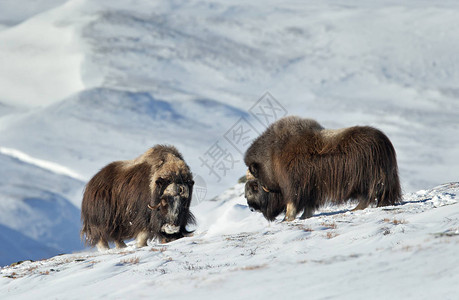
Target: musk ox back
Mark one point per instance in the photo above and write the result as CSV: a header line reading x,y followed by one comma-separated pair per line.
x,y
147,197
299,166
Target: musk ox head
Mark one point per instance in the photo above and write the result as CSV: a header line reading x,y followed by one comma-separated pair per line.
x,y
171,203
261,157
270,204
172,188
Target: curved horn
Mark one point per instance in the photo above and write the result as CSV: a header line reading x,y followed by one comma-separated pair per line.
x,y
153,207
249,175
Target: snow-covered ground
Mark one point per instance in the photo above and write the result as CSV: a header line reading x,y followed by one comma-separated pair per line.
x,y
407,251
87,82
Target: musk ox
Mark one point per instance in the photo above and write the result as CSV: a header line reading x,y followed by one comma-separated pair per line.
x,y
297,165
147,197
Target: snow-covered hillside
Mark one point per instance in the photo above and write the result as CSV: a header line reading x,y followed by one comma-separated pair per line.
x,y
407,251
38,218
87,82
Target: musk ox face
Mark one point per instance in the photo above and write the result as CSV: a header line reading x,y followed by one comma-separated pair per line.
x,y
262,172
173,202
252,194
268,203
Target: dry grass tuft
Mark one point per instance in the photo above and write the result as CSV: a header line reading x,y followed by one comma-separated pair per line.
x,y
130,261
331,235
329,225
306,228
394,221
162,249
253,267
12,275
407,248
20,262
305,261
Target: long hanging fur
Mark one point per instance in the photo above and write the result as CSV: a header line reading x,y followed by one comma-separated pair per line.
x,y
309,166
118,200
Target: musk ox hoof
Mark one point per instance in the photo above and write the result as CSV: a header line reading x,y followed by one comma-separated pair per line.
x,y
170,229
288,219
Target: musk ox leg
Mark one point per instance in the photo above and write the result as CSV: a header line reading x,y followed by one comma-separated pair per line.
x,y
391,195
360,206
102,245
120,244
141,239
307,213
363,203
290,212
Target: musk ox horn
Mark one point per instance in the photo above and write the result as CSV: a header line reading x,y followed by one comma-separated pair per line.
x,y
249,175
264,189
154,207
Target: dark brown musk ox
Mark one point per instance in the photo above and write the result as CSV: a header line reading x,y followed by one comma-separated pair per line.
x,y
297,165
144,198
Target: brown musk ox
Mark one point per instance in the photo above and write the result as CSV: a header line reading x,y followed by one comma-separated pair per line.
x,y
297,165
147,197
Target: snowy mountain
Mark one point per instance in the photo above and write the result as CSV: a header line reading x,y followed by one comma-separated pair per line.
x,y
84,83
38,219
381,64
407,251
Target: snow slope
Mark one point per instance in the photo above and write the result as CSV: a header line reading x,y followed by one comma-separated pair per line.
x,y
40,216
16,247
41,57
407,251
53,167
13,12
